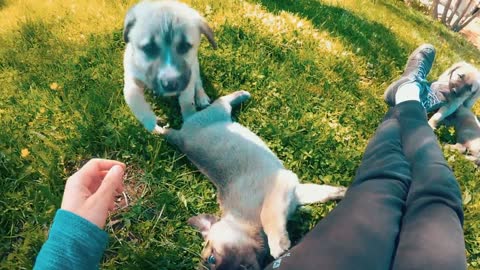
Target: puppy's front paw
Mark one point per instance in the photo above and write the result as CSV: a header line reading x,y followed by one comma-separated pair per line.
x,y
202,101
160,130
277,249
244,94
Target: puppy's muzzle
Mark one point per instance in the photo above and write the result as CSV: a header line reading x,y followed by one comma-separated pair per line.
x,y
170,81
170,84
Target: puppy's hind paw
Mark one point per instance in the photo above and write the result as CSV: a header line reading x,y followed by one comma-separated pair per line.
x,y
276,250
339,193
239,97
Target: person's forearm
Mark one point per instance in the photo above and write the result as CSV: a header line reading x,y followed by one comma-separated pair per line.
x,y
73,243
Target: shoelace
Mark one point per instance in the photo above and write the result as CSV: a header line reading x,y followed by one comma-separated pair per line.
x,y
428,97
422,70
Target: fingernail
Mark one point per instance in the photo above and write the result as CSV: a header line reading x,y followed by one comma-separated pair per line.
x,y
117,169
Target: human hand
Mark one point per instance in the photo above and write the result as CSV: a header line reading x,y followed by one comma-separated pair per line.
x,y
90,192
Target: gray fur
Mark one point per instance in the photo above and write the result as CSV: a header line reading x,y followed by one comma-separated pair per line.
x,y
255,191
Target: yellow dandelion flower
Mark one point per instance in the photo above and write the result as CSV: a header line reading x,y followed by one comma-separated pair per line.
x,y
54,86
25,153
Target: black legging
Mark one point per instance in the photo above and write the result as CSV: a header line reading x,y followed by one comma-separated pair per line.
x,y
402,211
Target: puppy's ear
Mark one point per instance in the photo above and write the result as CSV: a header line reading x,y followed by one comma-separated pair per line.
x,y
202,223
208,32
452,69
128,24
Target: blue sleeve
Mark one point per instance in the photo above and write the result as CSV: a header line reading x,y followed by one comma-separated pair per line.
x,y
73,243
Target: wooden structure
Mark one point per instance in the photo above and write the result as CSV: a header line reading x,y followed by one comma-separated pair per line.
x,y
456,14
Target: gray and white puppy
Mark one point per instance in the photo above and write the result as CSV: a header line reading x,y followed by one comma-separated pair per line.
x,y
458,86
255,192
467,132
162,40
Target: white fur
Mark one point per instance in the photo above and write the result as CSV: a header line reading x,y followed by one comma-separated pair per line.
x,y
458,75
145,20
255,191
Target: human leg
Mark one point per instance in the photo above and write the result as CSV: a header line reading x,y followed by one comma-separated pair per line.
x,y
361,232
431,236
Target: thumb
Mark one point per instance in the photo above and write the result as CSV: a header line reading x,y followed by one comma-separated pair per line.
x,y
112,182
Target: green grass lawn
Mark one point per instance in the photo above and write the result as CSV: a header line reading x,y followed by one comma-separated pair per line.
x,y
316,71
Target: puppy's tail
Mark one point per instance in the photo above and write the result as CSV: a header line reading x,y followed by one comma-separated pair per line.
x,y
312,193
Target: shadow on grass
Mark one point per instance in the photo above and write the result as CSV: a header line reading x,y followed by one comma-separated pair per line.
x,y
91,78
367,38
90,102
83,117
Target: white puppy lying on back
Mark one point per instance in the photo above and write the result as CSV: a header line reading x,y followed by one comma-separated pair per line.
x,y
255,192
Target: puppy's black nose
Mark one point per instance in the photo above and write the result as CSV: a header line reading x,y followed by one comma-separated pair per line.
x,y
169,85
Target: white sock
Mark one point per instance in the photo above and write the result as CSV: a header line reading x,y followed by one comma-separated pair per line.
x,y
408,91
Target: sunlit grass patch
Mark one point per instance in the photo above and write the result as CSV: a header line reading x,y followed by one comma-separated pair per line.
x,y
316,71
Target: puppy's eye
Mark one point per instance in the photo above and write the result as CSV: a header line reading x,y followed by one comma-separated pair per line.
x,y
211,259
183,47
150,49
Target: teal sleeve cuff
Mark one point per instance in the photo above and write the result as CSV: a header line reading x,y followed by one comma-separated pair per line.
x,y
73,243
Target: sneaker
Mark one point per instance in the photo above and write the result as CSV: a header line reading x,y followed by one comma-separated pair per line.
x,y
418,66
432,98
